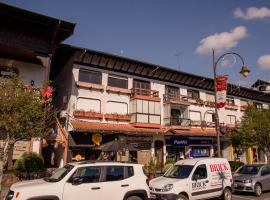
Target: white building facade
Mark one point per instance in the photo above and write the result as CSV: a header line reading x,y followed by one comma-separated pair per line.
x,y
150,110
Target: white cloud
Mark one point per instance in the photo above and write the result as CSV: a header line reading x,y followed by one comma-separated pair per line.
x,y
264,62
222,41
252,13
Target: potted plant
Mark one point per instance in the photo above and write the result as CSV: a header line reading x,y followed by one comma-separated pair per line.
x,y
152,168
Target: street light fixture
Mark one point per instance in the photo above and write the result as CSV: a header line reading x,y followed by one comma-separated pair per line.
x,y
244,71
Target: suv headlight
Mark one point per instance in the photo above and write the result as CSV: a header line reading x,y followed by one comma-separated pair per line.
x,y
247,181
10,195
167,188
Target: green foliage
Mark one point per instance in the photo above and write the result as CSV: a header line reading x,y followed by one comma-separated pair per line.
x,y
254,130
166,167
170,160
30,162
153,166
235,165
21,109
18,166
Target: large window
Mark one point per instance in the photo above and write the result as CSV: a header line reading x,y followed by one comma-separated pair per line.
x,y
117,107
195,115
88,174
200,173
90,76
87,104
193,94
114,173
118,81
172,91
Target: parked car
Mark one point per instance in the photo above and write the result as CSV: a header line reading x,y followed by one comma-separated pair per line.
x,y
192,179
87,180
252,178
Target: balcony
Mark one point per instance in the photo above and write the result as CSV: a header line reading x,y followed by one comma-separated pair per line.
x,y
145,94
176,99
178,122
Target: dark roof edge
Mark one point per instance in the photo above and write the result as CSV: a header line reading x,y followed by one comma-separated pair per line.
x,y
22,10
167,69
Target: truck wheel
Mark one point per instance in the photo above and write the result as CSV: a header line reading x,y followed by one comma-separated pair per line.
x,y
181,197
134,198
258,190
227,194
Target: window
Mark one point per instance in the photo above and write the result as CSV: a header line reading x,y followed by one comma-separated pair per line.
x,y
90,76
193,94
118,81
265,171
210,117
179,171
230,101
93,105
200,173
231,119
258,105
142,87
172,91
88,174
114,173
117,107
130,171
195,115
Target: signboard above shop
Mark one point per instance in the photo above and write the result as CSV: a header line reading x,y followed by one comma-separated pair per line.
x,y
185,141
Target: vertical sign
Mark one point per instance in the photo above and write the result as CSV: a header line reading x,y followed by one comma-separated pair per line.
x,y
221,84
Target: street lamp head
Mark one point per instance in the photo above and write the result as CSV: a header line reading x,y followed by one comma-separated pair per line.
x,y
244,71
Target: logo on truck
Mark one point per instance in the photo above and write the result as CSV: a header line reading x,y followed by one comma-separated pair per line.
x,y
219,167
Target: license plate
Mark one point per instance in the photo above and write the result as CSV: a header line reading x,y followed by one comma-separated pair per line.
x,y
153,196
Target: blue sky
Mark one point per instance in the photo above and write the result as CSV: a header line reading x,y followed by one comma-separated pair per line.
x,y
157,31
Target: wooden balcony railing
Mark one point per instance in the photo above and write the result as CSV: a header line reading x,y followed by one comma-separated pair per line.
x,y
175,98
175,121
144,92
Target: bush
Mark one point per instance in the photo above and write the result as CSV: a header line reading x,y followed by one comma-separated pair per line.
x,y
18,166
170,160
32,162
235,165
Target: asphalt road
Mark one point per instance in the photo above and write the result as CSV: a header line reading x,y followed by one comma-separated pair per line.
x,y
248,196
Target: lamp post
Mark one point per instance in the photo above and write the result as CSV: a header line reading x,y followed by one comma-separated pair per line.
x,y
244,71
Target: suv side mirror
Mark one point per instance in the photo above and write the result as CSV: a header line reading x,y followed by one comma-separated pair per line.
x,y
195,177
77,180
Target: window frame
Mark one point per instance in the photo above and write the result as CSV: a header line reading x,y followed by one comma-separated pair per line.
x,y
196,170
119,78
192,92
91,71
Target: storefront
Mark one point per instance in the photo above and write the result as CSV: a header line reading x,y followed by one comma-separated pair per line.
x,y
179,147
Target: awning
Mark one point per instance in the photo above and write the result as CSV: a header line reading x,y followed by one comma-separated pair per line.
x,y
195,132
83,126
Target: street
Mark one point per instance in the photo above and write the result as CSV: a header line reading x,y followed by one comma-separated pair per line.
x,y
249,196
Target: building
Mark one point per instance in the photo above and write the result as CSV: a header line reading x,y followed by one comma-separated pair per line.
x,y
261,85
27,43
136,110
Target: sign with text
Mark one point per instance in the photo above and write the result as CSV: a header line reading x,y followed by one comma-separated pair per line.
x,y
221,86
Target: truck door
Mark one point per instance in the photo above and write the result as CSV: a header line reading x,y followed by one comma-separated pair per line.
x,y
199,184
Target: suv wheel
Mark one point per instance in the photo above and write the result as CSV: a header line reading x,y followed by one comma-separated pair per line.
x,y
134,198
227,194
258,190
181,197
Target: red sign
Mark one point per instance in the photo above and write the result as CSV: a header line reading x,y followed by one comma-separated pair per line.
x,y
221,84
218,167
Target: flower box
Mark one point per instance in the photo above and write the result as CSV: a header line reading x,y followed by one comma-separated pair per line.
x,y
117,117
88,114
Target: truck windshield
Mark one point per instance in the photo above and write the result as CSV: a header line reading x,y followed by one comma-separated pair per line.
x,y
179,171
59,174
248,169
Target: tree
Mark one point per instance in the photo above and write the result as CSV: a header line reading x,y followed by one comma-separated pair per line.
x,y
254,130
22,115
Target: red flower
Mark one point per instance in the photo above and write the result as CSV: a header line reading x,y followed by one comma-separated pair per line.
x,y
47,92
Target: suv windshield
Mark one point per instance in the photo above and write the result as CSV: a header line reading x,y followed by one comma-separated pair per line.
x,y
59,174
248,169
179,171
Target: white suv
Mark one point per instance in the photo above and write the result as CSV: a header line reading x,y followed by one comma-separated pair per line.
x,y
86,180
